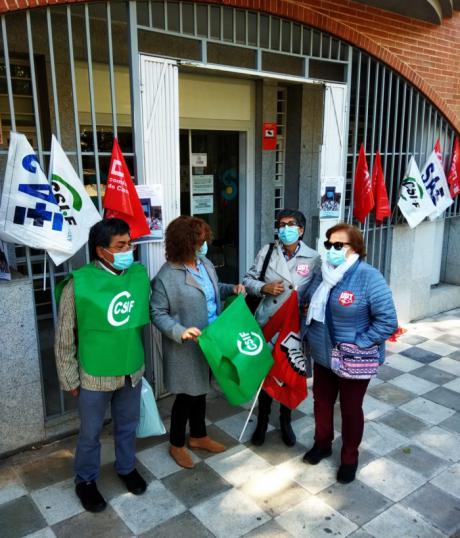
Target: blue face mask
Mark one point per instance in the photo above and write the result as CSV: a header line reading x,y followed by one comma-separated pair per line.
x,y
336,257
122,260
288,234
202,251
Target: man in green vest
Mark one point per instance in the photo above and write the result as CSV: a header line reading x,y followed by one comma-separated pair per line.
x,y
105,303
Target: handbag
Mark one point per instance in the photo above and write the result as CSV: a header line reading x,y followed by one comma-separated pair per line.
x,y
150,422
253,301
349,360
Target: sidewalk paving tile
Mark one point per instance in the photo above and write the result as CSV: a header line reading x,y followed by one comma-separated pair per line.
x,y
421,355
356,501
313,478
390,394
412,383
390,478
43,533
444,396
440,442
315,518
271,529
144,512
453,385
185,525
58,501
381,439
452,423
399,521
435,375
427,410
50,470
448,364
159,462
419,460
20,517
230,514
402,363
437,507
403,422
449,481
437,346
274,451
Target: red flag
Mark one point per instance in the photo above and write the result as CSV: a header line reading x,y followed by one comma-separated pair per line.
x,y
286,381
454,173
437,150
363,197
121,200
382,205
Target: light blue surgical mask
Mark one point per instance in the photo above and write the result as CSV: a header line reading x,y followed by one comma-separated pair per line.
x,y
122,260
288,234
202,251
336,257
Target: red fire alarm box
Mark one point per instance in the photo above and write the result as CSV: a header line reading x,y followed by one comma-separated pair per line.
x,y
269,130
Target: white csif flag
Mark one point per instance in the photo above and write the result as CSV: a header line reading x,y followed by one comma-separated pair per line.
x,y
79,211
435,182
29,213
414,202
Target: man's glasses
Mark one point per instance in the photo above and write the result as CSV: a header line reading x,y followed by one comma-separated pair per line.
x,y
123,248
338,245
290,223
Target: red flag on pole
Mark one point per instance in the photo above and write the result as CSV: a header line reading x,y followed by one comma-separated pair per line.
x,y
121,200
454,173
437,150
286,381
363,197
382,205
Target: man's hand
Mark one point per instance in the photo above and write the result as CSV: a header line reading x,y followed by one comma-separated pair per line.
x,y
239,288
274,288
75,392
192,333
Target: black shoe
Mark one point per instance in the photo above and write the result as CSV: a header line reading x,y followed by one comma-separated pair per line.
x,y
90,497
134,482
316,454
346,473
258,437
287,433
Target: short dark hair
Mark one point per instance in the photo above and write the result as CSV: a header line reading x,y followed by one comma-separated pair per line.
x,y
182,236
102,232
355,237
295,214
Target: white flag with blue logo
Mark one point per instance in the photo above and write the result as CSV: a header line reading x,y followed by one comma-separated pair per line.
x,y
435,182
77,207
29,213
414,202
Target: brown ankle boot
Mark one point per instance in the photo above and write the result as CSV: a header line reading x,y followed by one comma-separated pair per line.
x,y
181,456
206,443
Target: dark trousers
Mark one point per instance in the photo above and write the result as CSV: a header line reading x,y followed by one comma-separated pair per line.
x,y
187,408
326,387
265,405
92,406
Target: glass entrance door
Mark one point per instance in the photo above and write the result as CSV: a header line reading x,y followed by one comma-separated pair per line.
x,y
210,186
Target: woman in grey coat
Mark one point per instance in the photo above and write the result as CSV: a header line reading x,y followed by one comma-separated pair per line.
x,y
290,266
186,297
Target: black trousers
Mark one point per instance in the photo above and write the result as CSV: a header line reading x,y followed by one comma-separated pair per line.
x,y
187,408
265,405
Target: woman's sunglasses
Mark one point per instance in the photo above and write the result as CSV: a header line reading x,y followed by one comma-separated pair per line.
x,y
338,245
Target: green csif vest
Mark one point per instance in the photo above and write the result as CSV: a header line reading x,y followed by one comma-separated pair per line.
x,y
111,311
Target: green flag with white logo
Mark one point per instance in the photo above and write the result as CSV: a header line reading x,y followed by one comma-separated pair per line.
x,y
237,352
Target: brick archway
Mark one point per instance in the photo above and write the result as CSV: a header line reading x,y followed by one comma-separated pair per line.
x,y
326,16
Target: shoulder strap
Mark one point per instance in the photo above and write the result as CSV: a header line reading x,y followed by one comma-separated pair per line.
x,y
266,261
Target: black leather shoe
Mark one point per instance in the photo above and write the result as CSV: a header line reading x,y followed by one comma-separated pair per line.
x,y
346,473
258,437
316,454
287,433
134,482
90,497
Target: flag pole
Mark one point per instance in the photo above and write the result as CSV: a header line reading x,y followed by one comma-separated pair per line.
x,y
250,411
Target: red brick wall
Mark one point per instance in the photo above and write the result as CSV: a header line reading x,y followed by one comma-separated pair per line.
x,y
426,54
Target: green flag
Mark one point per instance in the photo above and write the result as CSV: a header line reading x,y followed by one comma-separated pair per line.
x,y
236,351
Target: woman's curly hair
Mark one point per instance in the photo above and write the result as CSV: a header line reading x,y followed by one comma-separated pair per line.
x,y
183,235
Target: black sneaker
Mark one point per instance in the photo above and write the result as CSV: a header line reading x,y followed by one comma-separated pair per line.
x,y
346,473
134,482
90,497
316,454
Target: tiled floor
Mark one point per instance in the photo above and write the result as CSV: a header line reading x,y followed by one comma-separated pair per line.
x,y
407,486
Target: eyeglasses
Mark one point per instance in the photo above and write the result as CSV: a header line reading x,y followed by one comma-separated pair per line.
x,y
290,223
338,245
123,248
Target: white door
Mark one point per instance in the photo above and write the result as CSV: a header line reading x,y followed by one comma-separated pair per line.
x,y
160,138
333,149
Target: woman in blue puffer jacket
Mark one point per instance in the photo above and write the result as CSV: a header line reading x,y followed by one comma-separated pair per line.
x,y
353,296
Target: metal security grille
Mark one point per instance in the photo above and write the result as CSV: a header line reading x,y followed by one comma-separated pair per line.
x,y
73,70
280,153
389,114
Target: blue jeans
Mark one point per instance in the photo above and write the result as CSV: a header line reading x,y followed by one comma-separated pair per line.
x,y
92,406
